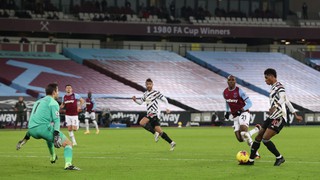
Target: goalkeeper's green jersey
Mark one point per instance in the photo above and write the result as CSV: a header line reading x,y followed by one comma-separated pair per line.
x,y
45,111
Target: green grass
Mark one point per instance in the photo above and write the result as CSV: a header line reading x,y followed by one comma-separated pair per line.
x,y
201,153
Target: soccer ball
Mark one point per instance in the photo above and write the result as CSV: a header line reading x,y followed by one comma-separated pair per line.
x,y
242,156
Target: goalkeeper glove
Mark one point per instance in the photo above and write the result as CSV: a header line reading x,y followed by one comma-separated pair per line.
x,y
227,115
56,139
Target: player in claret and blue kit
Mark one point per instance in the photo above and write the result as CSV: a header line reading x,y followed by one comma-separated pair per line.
x,y
72,102
239,103
90,114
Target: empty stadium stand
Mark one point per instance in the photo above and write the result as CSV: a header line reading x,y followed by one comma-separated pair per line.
x,y
176,77
238,21
30,72
301,81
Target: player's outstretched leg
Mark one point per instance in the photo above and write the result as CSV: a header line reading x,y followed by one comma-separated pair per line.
x,y
166,138
272,148
148,127
67,153
87,126
255,130
96,125
23,141
52,152
156,136
247,138
71,134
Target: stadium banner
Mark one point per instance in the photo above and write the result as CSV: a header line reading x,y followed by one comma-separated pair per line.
x,y
170,119
146,29
255,118
8,118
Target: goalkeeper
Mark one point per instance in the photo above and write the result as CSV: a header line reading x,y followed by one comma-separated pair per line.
x,y
45,124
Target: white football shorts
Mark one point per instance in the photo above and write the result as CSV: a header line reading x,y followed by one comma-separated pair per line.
x,y
91,115
243,119
72,120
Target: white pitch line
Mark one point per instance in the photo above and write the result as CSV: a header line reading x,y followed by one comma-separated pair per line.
x,y
160,159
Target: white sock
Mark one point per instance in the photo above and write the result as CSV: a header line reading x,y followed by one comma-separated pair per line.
x,y
87,124
73,139
253,131
246,137
95,123
257,153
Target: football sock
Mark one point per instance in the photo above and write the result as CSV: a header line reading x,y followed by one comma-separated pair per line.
x,y
246,137
51,149
272,148
249,141
71,134
254,148
87,124
27,136
149,128
165,137
68,155
95,123
253,131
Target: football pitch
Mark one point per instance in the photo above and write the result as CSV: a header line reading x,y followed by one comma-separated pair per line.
x,y
131,153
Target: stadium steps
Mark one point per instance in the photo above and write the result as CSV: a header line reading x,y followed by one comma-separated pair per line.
x,y
30,72
176,77
299,79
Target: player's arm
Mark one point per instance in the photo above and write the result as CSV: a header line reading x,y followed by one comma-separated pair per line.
x,y
62,103
246,100
138,101
94,104
55,115
165,100
227,113
54,108
16,107
81,102
24,107
292,110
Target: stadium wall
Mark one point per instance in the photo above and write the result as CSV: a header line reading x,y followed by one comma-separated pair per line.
x,y
49,44
177,47
213,118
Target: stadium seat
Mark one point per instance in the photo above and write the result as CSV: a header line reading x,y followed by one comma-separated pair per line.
x,y
173,75
300,80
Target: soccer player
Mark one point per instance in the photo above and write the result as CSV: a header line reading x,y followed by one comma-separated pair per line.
x,y
45,112
239,103
70,102
151,121
90,113
276,120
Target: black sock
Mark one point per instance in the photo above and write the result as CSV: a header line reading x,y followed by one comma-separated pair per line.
x,y
254,148
272,148
27,136
165,137
149,128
